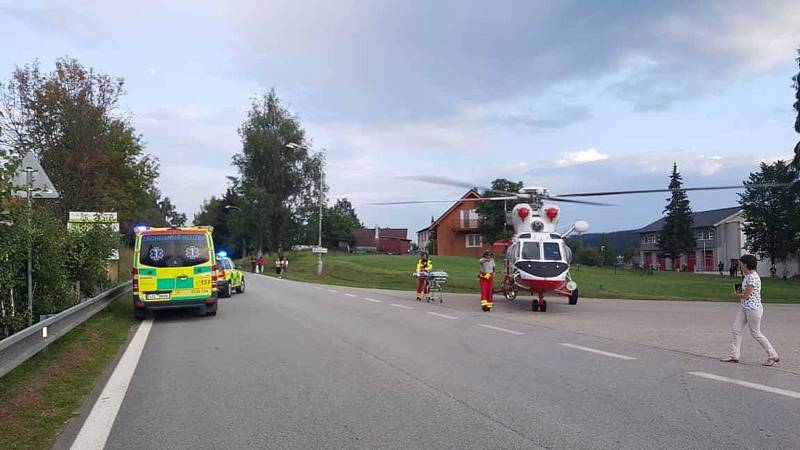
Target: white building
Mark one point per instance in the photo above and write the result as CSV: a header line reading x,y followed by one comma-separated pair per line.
x,y
720,238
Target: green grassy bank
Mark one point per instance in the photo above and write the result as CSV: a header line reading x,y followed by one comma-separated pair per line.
x,y
41,395
394,272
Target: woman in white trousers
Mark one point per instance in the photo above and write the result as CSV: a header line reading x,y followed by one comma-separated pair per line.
x,y
750,313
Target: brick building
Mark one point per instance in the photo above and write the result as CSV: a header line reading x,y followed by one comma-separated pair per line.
x,y
384,240
455,233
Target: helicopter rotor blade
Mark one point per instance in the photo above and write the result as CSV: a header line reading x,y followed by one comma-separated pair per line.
x,y
650,191
416,202
454,183
583,202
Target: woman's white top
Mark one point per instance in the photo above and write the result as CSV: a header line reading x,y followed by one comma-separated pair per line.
x,y
753,302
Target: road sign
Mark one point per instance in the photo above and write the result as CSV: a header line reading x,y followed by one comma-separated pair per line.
x,y
319,250
41,187
81,220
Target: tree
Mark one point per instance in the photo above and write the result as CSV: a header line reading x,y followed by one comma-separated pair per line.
x,y
771,212
607,252
338,223
286,183
629,253
493,214
71,120
676,238
171,214
796,85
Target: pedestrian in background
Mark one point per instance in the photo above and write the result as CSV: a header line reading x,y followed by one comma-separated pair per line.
x,y
732,269
750,313
284,266
260,262
721,267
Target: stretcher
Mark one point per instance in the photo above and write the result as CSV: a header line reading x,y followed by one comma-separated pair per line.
x,y
434,284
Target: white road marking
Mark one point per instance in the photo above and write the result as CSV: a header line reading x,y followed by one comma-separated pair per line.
x,y
95,430
442,315
401,306
760,387
350,295
332,291
373,300
500,329
599,352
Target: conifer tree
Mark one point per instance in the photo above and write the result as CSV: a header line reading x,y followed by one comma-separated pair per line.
x,y
676,237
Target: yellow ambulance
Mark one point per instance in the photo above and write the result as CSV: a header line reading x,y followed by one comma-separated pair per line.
x,y
174,268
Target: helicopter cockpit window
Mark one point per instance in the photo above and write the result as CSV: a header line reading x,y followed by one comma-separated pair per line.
x,y
530,250
552,251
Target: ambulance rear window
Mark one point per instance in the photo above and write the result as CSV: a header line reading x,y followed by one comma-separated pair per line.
x,y
174,250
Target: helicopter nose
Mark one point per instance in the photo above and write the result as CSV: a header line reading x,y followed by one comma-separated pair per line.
x,y
543,269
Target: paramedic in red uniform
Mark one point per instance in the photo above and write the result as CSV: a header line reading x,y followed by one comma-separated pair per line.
x,y
486,277
423,265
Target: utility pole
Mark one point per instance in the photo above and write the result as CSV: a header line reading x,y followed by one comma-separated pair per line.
x,y
29,187
319,244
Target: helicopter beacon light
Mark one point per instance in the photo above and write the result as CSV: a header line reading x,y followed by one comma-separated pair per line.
x,y
523,213
552,212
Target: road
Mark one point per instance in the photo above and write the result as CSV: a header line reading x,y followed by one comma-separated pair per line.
x,y
294,365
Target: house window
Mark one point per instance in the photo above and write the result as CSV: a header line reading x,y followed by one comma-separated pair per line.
x,y
474,240
711,233
469,218
700,234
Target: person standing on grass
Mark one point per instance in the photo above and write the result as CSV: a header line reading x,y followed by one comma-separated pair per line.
x,y
721,267
260,262
750,313
732,269
284,266
486,280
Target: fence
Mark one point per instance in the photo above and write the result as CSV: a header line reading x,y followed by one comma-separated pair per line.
x,y
17,348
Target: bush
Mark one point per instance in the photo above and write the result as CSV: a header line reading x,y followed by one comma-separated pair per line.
x,y
60,259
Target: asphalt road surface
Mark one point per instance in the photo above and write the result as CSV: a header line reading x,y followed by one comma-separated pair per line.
x,y
293,365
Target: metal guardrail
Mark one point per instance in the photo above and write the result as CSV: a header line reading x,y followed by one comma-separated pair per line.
x,y
17,348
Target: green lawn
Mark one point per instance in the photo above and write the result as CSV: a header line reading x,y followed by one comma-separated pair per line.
x,y
41,395
394,272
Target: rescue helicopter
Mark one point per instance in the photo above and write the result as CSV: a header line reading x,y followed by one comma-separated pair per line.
x,y
537,258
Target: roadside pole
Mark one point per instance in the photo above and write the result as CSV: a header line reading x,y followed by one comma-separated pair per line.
x,y
319,243
29,179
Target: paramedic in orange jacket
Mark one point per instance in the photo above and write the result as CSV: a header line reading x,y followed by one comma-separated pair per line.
x,y
423,265
486,277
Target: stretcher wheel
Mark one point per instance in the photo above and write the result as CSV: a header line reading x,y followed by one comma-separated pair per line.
x,y
510,294
534,305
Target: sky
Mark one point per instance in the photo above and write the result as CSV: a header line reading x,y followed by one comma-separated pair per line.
x,y
575,96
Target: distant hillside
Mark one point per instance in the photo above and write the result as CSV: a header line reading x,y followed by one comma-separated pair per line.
x,y
618,240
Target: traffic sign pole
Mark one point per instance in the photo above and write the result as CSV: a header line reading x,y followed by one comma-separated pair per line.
x,y
29,179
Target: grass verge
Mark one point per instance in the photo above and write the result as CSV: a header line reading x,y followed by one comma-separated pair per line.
x,y
394,272
41,395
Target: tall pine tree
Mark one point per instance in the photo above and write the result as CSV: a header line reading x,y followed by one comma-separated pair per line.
x,y
676,237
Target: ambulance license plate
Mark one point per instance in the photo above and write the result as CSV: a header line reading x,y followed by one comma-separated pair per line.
x,y
158,296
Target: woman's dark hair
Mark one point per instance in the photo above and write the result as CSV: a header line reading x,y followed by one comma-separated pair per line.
x,y
749,261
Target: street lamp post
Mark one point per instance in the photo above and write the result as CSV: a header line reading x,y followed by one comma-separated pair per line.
x,y
293,145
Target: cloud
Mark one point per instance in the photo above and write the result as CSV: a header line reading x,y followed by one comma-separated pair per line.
x,y
558,117
581,157
398,60
60,18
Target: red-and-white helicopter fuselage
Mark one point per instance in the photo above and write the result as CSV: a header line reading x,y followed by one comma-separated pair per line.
x,y
537,259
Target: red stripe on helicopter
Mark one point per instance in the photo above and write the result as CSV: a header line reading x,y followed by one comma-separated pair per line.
x,y
541,285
